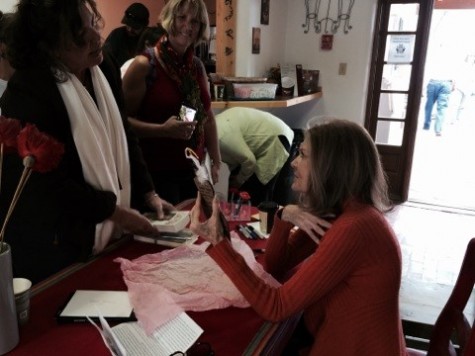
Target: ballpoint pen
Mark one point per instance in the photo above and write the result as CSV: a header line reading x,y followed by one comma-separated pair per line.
x,y
253,234
245,232
256,232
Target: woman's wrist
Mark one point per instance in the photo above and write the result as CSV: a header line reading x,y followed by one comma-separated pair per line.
x,y
215,162
151,196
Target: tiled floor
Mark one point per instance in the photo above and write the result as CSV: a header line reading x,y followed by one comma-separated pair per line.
x,y
433,244
443,170
434,235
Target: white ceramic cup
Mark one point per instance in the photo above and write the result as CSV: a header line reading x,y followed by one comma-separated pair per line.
x,y
21,289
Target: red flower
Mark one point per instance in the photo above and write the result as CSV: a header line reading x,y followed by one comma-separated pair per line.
x,y
9,129
45,150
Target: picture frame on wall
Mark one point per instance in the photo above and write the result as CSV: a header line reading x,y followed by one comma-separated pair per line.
x,y
327,42
265,12
256,40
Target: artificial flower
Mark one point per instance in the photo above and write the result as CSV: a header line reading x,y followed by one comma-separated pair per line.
x,y
40,153
44,149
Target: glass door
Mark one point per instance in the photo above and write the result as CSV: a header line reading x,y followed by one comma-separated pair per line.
x,y
396,77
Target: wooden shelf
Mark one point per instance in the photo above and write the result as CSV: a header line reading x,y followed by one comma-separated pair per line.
x,y
276,103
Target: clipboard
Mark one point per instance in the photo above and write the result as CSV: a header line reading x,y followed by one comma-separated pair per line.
x,y
114,306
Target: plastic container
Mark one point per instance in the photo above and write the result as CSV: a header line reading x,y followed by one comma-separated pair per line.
x,y
254,91
242,207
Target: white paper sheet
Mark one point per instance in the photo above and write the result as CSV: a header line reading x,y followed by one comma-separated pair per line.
x,y
90,302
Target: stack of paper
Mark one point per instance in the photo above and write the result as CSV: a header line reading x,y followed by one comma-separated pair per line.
x,y
174,223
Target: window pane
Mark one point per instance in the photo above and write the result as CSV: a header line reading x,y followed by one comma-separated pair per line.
x,y
389,133
392,106
396,77
403,17
399,48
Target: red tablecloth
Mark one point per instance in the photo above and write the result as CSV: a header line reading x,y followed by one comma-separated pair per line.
x,y
230,331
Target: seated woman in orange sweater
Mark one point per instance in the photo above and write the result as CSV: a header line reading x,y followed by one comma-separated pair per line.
x,y
348,283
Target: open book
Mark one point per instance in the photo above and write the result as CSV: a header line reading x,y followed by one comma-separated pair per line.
x,y
178,334
204,184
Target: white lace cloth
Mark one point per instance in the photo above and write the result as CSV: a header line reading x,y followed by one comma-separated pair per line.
x,y
162,285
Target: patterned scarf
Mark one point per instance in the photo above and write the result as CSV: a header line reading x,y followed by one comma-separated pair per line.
x,y
184,71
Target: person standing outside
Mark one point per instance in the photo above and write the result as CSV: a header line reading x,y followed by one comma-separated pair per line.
x,y
122,41
438,92
439,76
157,84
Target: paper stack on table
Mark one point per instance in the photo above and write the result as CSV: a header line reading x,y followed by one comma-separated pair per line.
x,y
174,223
173,231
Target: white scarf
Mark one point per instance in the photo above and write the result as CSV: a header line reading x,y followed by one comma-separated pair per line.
x,y
101,143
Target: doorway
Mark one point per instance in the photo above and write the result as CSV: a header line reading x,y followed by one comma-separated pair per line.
x,y
443,173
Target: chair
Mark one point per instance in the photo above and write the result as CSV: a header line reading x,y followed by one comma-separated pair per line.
x,y
452,318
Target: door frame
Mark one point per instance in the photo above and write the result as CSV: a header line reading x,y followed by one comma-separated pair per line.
x,y
397,160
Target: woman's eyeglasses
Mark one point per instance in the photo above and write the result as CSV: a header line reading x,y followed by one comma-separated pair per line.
x,y
198,349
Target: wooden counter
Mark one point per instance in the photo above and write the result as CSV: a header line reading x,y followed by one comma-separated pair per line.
x,y
278,102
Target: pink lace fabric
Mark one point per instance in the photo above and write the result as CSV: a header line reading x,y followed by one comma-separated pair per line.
x,y
162,285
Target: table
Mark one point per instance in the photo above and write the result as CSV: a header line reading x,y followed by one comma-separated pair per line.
x,y
230,331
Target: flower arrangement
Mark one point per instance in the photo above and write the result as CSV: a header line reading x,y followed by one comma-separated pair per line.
x,y
39,152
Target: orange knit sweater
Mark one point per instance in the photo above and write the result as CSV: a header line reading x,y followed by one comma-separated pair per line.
x,y
348,287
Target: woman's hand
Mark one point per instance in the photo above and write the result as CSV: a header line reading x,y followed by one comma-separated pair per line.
x,y
162,207
314,226
209,229
178,129
132,221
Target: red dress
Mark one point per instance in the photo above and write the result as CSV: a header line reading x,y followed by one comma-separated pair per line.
x,y
162,100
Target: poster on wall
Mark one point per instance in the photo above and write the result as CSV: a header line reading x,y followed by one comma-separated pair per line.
x,y
256,40
265,12
401,48
327,42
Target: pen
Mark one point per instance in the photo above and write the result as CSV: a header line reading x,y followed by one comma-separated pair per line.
x,y
246,233
257,232
253,234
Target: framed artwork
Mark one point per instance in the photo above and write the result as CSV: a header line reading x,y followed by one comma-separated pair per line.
x,y
265,12
327,42
256,40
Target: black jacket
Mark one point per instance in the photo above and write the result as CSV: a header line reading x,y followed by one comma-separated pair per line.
x,y
54,220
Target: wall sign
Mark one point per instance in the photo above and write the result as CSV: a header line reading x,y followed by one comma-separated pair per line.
x,y
226,37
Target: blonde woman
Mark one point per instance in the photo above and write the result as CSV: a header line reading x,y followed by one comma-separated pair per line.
x,y
157,84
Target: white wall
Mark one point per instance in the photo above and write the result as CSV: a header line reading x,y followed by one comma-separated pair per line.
x,y
8,5
284,41
272,49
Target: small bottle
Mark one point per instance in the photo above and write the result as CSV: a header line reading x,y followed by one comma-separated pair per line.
x,y
245,207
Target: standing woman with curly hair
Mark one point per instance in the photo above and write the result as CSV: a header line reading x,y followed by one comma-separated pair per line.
x,y
66,87
155,86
